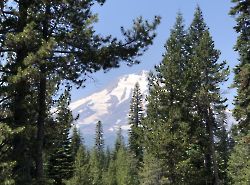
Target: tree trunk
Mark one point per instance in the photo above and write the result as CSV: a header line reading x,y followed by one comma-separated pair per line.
x,y
212,147
40,128
42,106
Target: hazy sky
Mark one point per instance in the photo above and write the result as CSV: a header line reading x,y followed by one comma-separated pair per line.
x,y
117,13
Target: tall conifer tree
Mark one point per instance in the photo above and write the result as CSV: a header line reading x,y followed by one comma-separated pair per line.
x,y
239,168
242,70
205,79
166,127
6,166
76,141
81,175
135,119
60,162
97,157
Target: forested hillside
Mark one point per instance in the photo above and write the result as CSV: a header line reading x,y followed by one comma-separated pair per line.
x,y
180,138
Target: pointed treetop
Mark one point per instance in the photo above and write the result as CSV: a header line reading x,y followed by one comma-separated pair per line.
x,y
177,33
119,140
179,23
198,26
99,140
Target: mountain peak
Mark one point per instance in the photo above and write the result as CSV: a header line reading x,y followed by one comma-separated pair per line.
x,y
109,105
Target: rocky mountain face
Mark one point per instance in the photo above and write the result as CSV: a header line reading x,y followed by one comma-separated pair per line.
x,y
111,106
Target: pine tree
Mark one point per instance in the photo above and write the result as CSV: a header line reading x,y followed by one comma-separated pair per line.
x,y
166,127
46,43
6,166
109,177
152,173
242,70
97,157
81,168
239,162
126,169
76,141
212,74
205,79
195,33
60,163
123,165
222,145
119,143
135,119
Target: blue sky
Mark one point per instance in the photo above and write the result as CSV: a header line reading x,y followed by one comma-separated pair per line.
x,y
116,13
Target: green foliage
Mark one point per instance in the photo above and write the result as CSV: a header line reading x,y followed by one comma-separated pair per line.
x,y
81,169
239,162
76,141
125,168
166,127
122,169
242,70
152,172
97,157
222,145
135,119
60,164
6,166
60,160
239,170
109,177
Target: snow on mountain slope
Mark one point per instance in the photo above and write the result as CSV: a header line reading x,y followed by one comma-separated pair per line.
x,y
111,106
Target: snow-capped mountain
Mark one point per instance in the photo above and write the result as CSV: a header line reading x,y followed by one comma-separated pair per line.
x,y
109,105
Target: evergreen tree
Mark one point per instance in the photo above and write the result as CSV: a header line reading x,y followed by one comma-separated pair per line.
x,y
135,119
46,43
119,143
222,146
212,74
242,70
239,162
99,140
60,163
107,158
6,166
81,168
109,176
126,169
205,79
76,141
123,165
97,157
166,127
151,173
